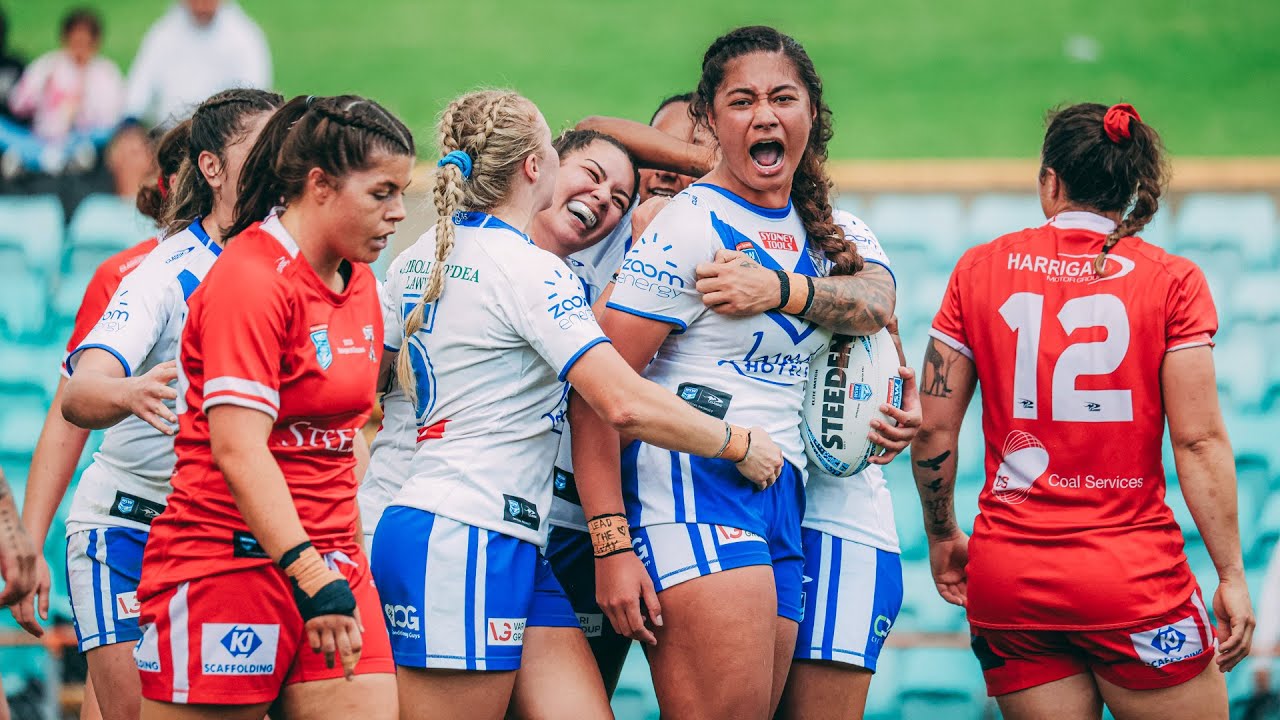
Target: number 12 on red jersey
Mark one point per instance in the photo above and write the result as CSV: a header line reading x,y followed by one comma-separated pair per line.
x,y
1023,312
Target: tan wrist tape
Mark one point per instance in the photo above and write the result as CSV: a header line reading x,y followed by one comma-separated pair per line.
x,y
610,535
799,299
311,573
739,444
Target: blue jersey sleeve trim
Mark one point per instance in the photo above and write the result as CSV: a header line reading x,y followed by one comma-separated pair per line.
x,y
886,267
189,283
564,372
652,316
388,348
128,371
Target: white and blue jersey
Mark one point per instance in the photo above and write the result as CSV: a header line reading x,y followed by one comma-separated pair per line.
x,y
391,452
749,371
595,266
852,572
490,363
128,482
857,508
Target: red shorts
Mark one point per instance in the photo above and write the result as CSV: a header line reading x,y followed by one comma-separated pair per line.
x,y
237,639
1159,653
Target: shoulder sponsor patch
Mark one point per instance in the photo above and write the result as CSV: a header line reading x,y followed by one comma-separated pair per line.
x,y
238,649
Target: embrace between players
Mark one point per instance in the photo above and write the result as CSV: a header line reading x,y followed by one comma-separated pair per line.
x,y
225,568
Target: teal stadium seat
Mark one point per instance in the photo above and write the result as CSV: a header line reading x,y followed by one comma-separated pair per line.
x,y
29,365
883,694
1254,297
102,226
24,302
940,683
1268,531
1244,223
31,230
634,699
851,203
923,609
923,230
1242,369
20,423
996,214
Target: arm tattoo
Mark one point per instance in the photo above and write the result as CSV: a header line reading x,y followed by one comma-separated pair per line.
x,y
936,371
938,499
858,304
934,463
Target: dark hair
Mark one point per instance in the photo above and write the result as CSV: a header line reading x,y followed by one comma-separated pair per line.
x,y
1099,173
81,16
571,141
339,135
671,100
216,123
810,188
170,152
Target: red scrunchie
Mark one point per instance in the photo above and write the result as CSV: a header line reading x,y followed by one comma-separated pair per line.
x,y
162,184
1116,122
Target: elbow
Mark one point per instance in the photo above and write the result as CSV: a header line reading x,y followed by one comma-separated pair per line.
x,y
590,122
73,410
622,416
1200,444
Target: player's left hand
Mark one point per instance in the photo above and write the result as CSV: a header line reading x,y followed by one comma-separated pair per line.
x,y
734,284
896,439
1234,613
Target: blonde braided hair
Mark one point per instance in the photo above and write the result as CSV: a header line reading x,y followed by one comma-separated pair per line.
x,y
498,129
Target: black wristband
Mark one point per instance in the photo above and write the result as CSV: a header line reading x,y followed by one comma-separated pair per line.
x,y
784,290
808,303
292,554
332,599
619,551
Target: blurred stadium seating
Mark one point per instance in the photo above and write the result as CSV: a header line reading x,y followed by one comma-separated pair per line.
x,y
927,670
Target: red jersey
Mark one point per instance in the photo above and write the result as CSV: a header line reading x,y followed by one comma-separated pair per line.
x,y
1073,531
265,333
102,286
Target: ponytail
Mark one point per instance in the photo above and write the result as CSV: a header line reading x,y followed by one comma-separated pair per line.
x,y
1106,159
260,188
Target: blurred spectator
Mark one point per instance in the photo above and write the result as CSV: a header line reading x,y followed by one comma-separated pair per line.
x,y
72,95
10,68
1266,637
130,157
197,48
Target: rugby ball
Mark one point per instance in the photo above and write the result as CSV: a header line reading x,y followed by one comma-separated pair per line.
x,y
849,379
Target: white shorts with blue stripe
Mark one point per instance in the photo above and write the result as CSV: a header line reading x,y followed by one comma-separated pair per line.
x,y
852,595
103,569
455,596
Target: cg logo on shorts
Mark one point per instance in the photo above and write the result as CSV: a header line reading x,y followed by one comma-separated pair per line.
x,y
401,616
882,626
238,649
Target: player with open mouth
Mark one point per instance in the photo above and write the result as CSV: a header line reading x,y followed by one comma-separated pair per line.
x,y
703,533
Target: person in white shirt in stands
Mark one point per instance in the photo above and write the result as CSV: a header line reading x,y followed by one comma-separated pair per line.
x,y
1266,637
196,49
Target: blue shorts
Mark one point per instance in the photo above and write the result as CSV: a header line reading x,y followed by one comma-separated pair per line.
x,y
434,575
571,557
103,569
678,552
852,595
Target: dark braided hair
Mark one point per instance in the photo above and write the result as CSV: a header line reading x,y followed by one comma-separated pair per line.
x,y
339,135
1103,174
216,124
810,188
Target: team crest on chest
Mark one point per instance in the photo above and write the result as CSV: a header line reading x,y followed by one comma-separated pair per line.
x,y
320,338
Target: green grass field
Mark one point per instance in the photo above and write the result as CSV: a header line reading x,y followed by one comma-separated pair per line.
x,y
910,79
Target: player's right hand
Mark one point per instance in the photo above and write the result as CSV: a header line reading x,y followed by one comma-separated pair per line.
x,y
763,462
147,393
37,601
1234,613
337,636
625,593
948,558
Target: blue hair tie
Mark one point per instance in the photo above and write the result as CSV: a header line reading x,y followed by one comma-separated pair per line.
x,y
459,159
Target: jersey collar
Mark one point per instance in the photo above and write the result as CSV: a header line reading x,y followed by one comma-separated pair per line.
x,y
1082,220
277,230
198,230
764,212
485,220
